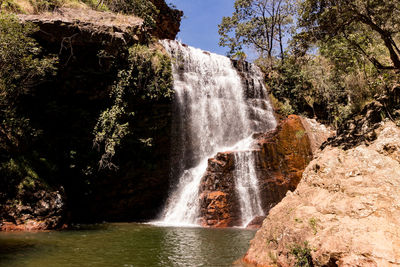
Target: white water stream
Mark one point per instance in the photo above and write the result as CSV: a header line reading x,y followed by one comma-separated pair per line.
x,y
214,115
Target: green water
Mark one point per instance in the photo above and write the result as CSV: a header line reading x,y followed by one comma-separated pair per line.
x,y
126,245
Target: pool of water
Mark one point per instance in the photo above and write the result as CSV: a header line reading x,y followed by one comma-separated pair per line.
x,y
127,245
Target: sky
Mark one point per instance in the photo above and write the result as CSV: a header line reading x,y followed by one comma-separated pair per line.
x,y
199,27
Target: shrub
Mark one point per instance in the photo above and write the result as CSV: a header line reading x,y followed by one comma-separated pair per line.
x,y
45,5
147,76
302,254
21,67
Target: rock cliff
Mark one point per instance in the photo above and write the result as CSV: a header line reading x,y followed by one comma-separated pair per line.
x,y
281,157
91,47
168,20
344,212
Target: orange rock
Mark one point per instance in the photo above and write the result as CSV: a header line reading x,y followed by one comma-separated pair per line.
x,y
281,157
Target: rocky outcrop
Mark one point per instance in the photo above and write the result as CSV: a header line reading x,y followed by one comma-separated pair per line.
x,y
344,212
70,27
35,207
281,157
219,201
77,26
168,20
92,47
360,128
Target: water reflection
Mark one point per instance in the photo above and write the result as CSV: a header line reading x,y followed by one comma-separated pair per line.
x,y
203,247
125,245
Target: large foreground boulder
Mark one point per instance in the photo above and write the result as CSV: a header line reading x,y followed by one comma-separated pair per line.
x,y
344,212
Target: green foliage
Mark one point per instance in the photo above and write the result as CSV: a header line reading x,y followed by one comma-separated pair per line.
x,y
17,168
289,86
141,8
17,174
257,24
340,57
324,87
148,76
46,5
9,5
282,108
363,25
313,222
302,253
240,55
21,68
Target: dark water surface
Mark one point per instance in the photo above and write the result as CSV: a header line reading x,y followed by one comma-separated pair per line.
x,y
126,245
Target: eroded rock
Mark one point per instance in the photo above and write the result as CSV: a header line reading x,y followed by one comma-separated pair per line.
x,y
168,21
71,27
344,212
36,207
281,157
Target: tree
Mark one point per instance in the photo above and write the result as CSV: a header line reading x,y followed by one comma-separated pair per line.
x,y
258,24
359,22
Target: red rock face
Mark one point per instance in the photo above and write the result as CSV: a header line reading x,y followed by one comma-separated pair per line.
x,y
281,157
219,206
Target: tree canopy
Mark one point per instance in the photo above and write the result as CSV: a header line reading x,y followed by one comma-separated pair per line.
x,y
258,24
337,57
363,24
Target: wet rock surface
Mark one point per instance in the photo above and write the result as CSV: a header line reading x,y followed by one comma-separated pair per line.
x,y
281,157
344,212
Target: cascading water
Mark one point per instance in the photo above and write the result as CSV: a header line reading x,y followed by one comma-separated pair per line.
x,y
213,114
247,186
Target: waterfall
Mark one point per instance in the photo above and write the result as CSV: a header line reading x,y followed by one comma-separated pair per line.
x,y
247,186
213,113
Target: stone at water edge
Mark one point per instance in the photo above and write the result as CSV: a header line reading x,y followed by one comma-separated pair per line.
x,y
39,208
256,222
346,207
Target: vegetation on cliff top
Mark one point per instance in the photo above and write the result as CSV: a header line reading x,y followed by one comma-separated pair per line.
x,y
144,9
325,59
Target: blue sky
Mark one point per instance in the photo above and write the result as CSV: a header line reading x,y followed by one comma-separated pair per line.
x,y
199,28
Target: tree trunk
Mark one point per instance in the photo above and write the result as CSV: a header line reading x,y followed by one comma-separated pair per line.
x,y
281,43
387,39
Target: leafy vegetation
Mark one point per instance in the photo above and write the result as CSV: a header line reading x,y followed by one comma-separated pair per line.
x,y
147,76
340,55
141,8
361,25
313,222
21,68
302,254
258,24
